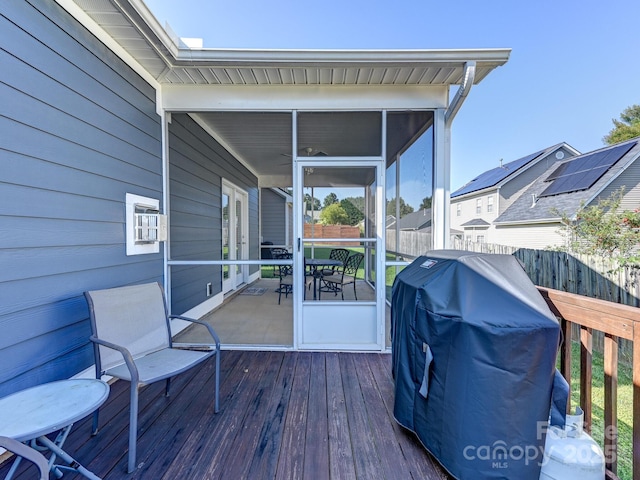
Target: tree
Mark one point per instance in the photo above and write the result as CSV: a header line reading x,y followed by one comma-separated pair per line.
x,y
308,202
334,214
426,203
330,199
605,230
350,206
627,127
405,209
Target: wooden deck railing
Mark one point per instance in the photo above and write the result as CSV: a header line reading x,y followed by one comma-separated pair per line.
x,y
616,321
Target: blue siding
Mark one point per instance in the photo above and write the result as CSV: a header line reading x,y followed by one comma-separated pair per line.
x,y
79,130
274,225
197,165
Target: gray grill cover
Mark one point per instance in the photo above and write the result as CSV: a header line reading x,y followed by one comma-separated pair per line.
x,y
493,343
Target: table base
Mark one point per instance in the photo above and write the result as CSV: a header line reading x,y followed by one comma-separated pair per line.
x,y
56,451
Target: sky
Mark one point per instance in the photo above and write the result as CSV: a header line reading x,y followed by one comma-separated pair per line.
x,y
574,65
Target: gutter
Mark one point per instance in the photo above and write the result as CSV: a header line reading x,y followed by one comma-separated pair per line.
x,y
469,75
529,222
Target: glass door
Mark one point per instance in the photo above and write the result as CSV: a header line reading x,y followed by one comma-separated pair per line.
x,y
340,304
234,235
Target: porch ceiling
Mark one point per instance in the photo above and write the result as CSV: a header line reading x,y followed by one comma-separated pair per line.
x,y
262,141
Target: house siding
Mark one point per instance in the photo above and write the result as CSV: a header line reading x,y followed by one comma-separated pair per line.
x,y
630,180
79,131
537,237
197,165
468,213
274,223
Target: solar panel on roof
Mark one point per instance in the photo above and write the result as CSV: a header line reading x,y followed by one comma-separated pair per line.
x,y
557,172
495,175
583,172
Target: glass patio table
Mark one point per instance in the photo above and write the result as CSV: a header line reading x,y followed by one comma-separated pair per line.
x,y
30,415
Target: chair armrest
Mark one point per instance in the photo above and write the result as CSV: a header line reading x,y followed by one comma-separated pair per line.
x,y
212,332
24,451
199,347
126,355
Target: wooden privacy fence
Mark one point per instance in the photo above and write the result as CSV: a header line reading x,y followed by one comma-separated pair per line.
x,y
409,243
586,275
318,230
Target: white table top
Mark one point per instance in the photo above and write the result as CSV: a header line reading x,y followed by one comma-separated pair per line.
x,y
49,407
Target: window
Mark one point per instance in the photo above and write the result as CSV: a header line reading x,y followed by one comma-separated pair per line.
x,y
478,206
490,204
480,238
458,209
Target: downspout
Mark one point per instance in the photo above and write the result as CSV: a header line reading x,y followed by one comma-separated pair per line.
x,y
165,120
442,167
469,75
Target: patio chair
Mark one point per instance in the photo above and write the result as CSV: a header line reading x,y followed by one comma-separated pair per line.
x,y
24,451
132,341
273,253
344,276
340,254
285,273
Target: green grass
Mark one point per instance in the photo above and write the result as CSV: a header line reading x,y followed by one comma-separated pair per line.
x,y
625,406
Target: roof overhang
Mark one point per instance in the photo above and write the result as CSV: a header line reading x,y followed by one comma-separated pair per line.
x,y
159,52
232,93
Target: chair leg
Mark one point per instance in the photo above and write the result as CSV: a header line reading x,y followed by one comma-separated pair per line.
x,y
217,394
167,387
94,428
133,428
354,290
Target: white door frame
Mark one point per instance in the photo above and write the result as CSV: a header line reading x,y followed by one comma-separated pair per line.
x,y
340,325
237,274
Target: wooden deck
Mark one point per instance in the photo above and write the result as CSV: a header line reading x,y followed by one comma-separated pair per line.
x,y
283,415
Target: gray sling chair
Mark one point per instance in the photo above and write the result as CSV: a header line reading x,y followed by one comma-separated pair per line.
x,y
24,451
132,341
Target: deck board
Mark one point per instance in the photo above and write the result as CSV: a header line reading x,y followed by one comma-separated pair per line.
x,y
284,415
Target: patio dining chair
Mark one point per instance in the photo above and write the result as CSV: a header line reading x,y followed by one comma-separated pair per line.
x,y
131,335
285,274
343,276
24,451
340,254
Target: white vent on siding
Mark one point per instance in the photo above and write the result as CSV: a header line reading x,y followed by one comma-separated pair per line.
x,y
145,226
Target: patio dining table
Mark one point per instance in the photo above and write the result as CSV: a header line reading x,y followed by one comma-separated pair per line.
x,y
316,265
31,414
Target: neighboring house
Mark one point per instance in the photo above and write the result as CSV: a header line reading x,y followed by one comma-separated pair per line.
x,y
417,221
476,205
106,119
532,220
